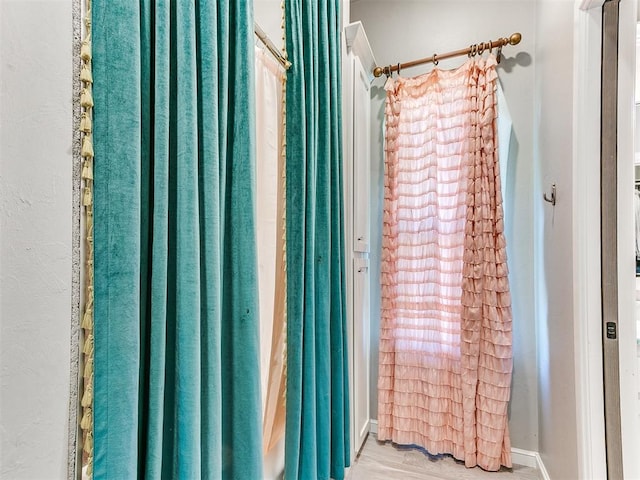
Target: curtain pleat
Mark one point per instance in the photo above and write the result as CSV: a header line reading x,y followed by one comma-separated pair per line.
x,y
177,388
316,439
445,341
117,240
486,301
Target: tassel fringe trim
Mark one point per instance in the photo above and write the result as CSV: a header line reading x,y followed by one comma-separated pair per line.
x,y
86,129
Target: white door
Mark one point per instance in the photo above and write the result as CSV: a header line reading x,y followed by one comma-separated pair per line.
x,y
360,346
360,351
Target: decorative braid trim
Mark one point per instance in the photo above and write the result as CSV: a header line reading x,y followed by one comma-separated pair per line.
x,y
86,129
284,200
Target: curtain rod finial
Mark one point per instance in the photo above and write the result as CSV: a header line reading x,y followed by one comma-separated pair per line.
x,y
515,38
377,72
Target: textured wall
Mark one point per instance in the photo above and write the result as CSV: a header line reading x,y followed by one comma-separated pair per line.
x,y
401,31
268,14
35,236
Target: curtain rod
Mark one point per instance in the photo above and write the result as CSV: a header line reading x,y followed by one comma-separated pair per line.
x,y
471,51
266,41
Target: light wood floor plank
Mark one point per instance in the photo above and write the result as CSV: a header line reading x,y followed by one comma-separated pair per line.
x,y
385,461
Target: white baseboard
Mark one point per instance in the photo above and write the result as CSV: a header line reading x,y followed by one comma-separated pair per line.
x,y
526,458
373,426
542,469
531,459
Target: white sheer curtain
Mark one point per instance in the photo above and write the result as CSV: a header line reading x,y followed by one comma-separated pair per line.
x,y
271,248
445,340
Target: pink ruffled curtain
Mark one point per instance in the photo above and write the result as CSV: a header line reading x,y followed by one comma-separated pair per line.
x,y
445,340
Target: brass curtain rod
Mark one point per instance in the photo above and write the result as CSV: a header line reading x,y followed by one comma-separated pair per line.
x,y
471,51
266,41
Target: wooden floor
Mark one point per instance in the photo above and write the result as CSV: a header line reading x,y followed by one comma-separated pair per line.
x,y
384,461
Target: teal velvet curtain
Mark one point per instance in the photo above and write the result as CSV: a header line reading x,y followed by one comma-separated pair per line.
x,y
177,389
317,425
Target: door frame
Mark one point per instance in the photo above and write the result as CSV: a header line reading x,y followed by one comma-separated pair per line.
x,y
626,237
587,245
586,215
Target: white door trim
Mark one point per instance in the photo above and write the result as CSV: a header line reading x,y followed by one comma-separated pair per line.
x,y
586,168
587,274
591,4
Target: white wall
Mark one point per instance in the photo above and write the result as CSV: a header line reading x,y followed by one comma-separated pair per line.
x,y
268,14
35,236
400,31
553,227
